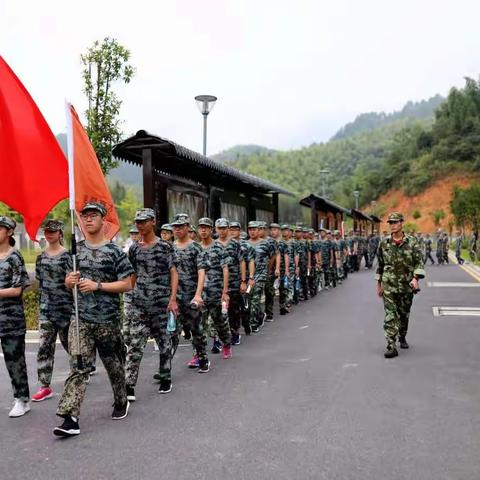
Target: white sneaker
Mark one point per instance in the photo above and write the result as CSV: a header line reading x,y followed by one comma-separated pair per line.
x,y
19,409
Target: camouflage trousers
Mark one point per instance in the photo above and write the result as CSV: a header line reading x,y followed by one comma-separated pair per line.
x,y
235,311
107,339
256,310
213,308
397,312
142,326
286,294
13,347
48,331
269,294
191,319
313,281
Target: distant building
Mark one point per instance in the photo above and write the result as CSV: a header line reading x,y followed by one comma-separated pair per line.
x,y
325,213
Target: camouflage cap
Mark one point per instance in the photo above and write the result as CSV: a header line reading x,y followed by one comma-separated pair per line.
x,y
311,230
305,230
7,222
133,229
97,206
192,229
395,217
286,226
298,228
253,224
235,225
167,227
336,232
53,226
274,225
180,219
144,214
262,224
243,235
205,221
222,223
322,229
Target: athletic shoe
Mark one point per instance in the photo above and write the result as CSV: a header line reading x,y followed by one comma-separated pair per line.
x,y
194,362
283,311
204,366
165,386
390,352
268,318
227,352
255,329
20,408
120,411
217,346
404,343
187,334
262,322
156,376
93,371
68,428
236,338
42,394
130,393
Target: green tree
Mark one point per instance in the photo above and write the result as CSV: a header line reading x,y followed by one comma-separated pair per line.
x,y
465,206
126,209
104,64
416,214
438,216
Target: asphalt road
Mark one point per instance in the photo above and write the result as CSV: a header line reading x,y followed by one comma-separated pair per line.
x,y
310,397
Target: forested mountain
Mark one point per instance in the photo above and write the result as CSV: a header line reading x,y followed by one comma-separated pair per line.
x,y
404,152
369,121
238,151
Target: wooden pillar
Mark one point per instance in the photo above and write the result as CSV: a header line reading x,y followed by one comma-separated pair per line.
x,y
275,207
161,203
314,217
148,181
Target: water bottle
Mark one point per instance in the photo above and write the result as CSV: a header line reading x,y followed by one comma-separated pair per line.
x,y
286,282
298,284
249,289
171,323
194,305
224,308
276,283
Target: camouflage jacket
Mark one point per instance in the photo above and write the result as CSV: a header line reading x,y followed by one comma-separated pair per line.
x,y
215,260
325,252
398,264
235,256
12,275
301,250
283,249
56,299
262,257
103,263
152,265
189,261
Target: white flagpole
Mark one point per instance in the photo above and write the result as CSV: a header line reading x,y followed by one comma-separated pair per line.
x,y
71,188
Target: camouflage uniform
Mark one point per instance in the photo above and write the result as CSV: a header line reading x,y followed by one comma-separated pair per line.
x,y
270,282
284,300
262,256
428,251
440,249
248,252
151,295
397,266
291,250
99,326
215,260
12,324
55,310
189,261
313,278
302,251
325,258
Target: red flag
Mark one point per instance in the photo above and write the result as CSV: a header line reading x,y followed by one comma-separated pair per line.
x,y
33,168
89,181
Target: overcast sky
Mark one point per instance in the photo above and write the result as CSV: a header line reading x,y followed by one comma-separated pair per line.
x,y
287,73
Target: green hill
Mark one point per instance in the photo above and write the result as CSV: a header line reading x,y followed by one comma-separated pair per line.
x,y
239,151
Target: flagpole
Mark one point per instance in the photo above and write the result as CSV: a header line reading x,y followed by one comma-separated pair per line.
x,y
71,188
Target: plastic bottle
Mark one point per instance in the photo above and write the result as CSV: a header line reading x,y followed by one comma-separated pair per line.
x,y
286,282
171,323
276,283
194,305
224,308
298,284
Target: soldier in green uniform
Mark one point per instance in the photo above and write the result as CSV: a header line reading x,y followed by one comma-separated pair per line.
x,y
287,269
166,232
13,280
303,261
273,269
428,250
55,306
400,266
262,257
103,273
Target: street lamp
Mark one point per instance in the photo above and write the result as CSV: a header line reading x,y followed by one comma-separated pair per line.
x,y
356,194
323,178
205,104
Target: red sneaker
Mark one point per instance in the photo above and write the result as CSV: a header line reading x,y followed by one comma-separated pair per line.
x,y
43,394
194,362
227,351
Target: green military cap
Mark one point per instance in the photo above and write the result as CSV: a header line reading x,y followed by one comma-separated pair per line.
x,y
262,224
8,222
311,230
133,229
192,229
253,224
305,229
53,226
97,206
395,217
321,229
336,232
235,225
205,221
222,223
274,225
286,226
243,235
180,219
167,227
144,214
298,228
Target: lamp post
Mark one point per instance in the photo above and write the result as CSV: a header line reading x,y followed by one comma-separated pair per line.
x,y
356,194
323,178
205,104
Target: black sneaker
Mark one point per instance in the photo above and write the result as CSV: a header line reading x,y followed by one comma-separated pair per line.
x,y
204,366
268,318
403,343
283,311
390,352
156,376
187,334
120,411
217,346
165,386
236,339
68,428
255,329
130,393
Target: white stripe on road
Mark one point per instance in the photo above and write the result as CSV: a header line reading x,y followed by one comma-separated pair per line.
x,y
456,311
454,284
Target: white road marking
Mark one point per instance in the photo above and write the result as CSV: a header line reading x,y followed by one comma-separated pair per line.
x,y
454,284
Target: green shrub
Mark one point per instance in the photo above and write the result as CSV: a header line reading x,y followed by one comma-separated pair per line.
x,y
30,305
416,214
